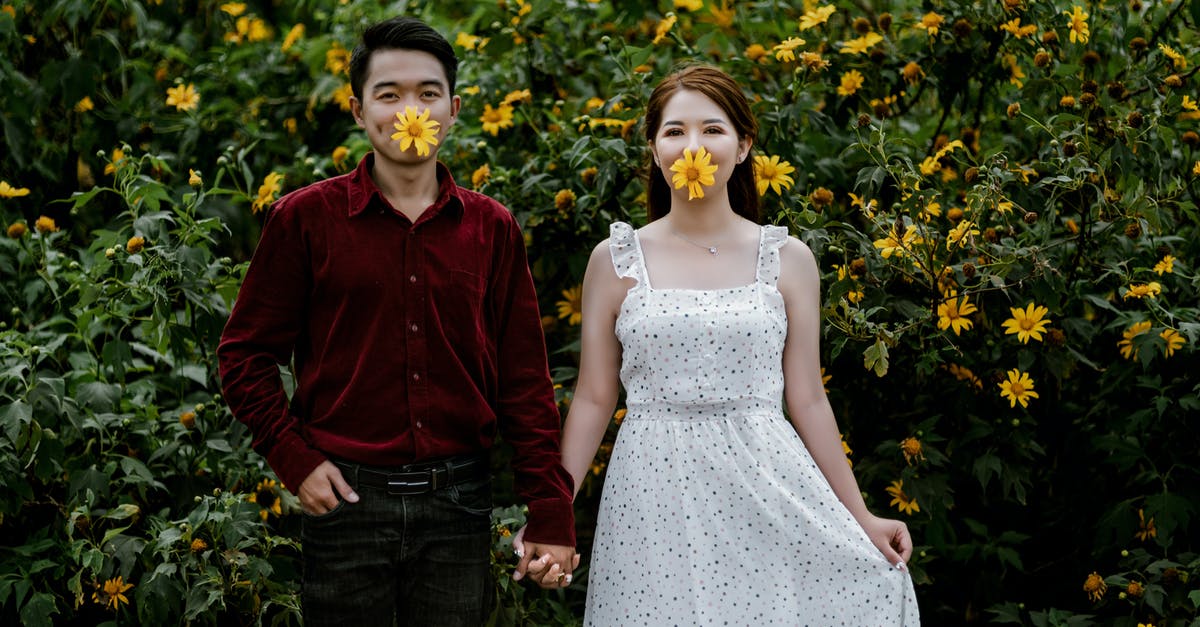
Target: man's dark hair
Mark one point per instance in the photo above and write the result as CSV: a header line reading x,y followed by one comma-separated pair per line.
x,y
400,33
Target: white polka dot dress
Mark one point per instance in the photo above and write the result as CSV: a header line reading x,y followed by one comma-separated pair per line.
x,y
713,512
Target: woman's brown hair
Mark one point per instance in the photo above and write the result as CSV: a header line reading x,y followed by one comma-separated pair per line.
x,y
723,90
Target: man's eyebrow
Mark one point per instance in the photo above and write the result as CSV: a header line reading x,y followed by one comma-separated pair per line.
x,y
429,82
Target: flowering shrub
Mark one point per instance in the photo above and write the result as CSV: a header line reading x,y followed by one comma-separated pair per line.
x,y
1002,197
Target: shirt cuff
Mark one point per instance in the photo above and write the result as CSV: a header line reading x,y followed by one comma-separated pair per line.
x,y
551,521
293,460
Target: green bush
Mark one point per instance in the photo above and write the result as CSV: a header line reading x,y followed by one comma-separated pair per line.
x,y
998,208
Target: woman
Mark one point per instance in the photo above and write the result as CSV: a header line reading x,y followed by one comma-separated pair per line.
x,y
716,509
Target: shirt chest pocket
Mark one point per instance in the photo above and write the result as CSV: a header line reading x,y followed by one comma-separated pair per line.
x,y
458,303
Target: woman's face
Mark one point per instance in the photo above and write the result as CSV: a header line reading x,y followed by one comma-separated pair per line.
x,y
691,120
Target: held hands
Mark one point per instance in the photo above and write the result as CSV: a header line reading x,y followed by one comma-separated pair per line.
x,y
549,565
891,538
319,492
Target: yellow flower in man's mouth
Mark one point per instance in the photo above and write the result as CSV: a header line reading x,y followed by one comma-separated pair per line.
x,y
416,130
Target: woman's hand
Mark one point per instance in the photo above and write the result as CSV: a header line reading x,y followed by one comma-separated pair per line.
x,y
891,538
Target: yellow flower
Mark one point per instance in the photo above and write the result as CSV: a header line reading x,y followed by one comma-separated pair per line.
x,y
1094,585
45,224
290,124
571,307
1146,529
271,186
755,52
813,61
960,234
619,415
84,105
1143,290
851,81
515,97
1135,589
135,245
1027,323
931,22
415,130
1079,25
911,447
724,15
115,162
481,175
564,200
194,178
664,27
771,172
786,49
1128,350
341,96
337,59
339,157
894,244
1015,71
8,191
1167,265
294,35
902,500
1188,104
689,5
496,119
816,17
694,172
266,495
1018,388
467,41
234,9
912,72
847,451
1173,339
825,380
962,373
198,545
1179,60
112,593
861,44
1014,26
1196,168
183,97
1067,101
188,419
17,230
952,312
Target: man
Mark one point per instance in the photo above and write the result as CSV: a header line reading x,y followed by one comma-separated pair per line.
x,y
407,305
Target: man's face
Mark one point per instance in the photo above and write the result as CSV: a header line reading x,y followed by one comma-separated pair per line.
x,y
397,79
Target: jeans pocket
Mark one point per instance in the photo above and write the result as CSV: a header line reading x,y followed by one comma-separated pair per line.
x,y
329,515
473,497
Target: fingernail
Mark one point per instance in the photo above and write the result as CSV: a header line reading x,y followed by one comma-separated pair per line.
x,y
353,498
516,576
900,566
520,553
567,578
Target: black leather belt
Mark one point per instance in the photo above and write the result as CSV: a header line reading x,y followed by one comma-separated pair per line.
x,y
419,478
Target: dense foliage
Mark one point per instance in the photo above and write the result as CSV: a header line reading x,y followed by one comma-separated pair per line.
x,y
1002,196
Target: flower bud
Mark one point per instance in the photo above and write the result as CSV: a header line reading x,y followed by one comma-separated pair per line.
x,y
1133,230
1190,138
1137,44
1030,217
885,21
1041,59
1069,149
864,120
971,175
1135,119
1173,81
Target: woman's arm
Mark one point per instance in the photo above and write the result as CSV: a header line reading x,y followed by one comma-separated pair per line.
x,y
809,408
597,388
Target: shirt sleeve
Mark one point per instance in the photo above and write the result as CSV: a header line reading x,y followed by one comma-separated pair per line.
x,y
527,413
260,336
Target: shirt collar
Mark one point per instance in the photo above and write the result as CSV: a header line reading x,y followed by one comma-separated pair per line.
x,y
363,191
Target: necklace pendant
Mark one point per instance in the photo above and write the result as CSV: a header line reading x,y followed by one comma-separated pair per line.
x,y
712,250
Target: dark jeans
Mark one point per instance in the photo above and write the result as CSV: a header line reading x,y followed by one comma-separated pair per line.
x,y
407,560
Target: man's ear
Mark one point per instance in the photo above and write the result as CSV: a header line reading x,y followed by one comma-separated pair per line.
x,y
356,111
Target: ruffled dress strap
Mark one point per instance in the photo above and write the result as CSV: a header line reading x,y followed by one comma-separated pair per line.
x,y
773,238
626,254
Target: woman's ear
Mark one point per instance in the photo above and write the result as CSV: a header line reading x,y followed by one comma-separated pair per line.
x,y
744,146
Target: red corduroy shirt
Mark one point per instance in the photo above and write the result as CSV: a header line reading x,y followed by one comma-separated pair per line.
x,y
410,341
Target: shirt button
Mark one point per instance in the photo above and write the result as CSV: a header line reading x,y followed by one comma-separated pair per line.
x,y
412,278
418,424
414,327
416,376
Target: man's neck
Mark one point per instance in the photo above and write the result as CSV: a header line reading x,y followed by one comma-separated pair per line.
x,y
411,189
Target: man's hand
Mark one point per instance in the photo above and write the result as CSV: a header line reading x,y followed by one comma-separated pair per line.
x,y
319,492
549,565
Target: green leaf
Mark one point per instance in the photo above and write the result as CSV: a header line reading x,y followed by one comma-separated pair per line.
x,y
875,358
99,396
39,609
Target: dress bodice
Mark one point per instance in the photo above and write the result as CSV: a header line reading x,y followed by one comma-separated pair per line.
x,y
713,350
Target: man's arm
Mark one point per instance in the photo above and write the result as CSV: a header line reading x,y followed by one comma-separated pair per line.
x,y
259,337
526,411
